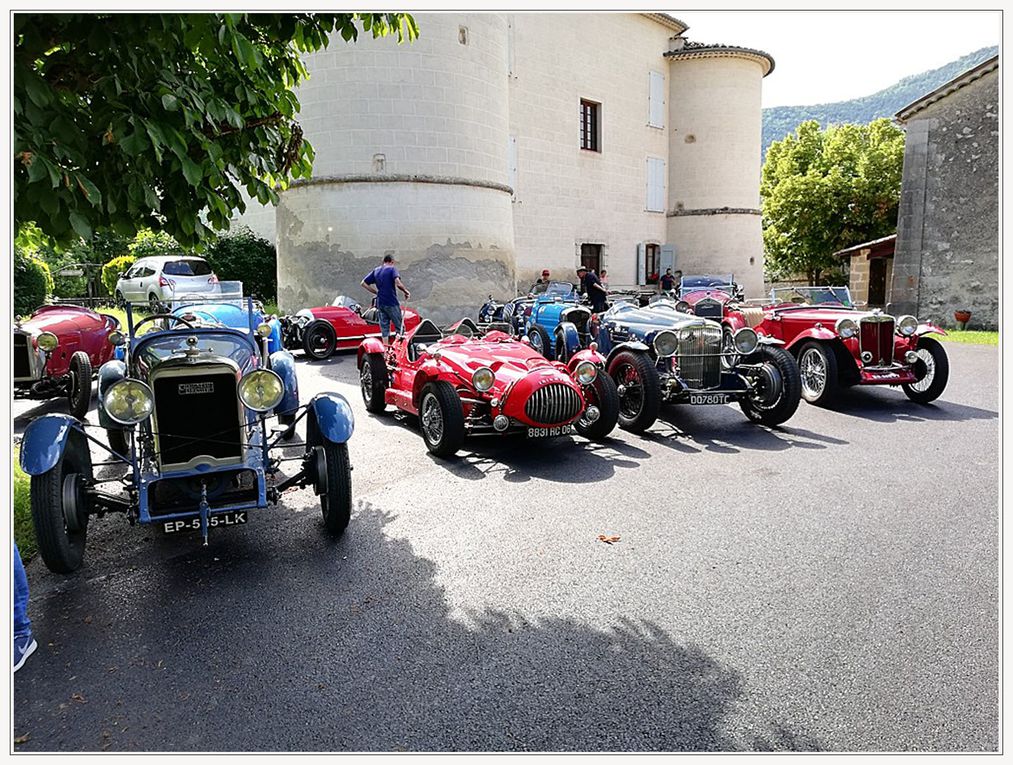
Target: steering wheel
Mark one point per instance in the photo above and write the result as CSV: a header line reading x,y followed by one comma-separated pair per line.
x,y
157,316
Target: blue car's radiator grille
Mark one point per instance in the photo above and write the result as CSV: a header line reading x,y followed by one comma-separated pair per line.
x,y
699,356
552,404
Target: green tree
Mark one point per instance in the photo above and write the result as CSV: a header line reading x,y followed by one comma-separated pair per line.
x,y
825,190
243,256
131,121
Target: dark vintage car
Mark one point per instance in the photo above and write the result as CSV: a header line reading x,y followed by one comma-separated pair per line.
x,y
56,350
659,355
509,316
187,411
459,383
342,325
839,345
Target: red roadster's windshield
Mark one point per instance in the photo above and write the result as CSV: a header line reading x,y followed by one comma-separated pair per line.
x,y
812,296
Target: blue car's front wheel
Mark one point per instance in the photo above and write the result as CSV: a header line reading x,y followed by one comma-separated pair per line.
x,y
336,499
540,340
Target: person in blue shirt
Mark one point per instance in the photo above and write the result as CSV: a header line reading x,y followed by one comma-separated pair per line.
x,y
384,281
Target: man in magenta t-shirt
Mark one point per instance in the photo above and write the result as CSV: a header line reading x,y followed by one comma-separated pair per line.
x,y
384,281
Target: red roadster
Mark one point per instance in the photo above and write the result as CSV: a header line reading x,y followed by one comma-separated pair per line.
x,y
321,331
459,384
56,351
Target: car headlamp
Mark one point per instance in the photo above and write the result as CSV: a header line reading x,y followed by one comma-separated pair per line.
x,y
585,372
261,390
264,329
683,307
907,325
665,343
47,341
745,341
128,402
483,378
846,328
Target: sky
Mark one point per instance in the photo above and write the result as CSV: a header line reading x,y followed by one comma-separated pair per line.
x,y
824,56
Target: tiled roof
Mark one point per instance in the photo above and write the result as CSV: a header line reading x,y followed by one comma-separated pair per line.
x,y
669,21
693,49
966,78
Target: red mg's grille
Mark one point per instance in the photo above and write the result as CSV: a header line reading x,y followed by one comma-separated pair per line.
x,y
877,338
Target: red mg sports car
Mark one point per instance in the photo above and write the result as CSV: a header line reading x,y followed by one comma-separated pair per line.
x,y
56,351
321,331
837,344
460,384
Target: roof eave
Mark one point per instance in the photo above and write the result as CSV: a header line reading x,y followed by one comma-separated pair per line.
x,y
958,82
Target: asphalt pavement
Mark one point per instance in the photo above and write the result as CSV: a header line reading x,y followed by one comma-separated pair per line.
x,y
828,585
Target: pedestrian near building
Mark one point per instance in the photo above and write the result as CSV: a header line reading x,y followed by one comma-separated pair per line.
x,y
667,282
604,278
384,281
596,293
543,282
24,642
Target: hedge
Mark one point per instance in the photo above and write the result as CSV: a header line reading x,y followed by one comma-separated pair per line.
x,y
33,283
111,271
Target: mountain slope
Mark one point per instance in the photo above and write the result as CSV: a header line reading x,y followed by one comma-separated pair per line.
x,y
779,121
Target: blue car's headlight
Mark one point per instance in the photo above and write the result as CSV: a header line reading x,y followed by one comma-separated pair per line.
x,y
261,390
129,402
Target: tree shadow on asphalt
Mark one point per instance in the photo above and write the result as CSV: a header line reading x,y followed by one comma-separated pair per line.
x,y
276,638
867,403
725,430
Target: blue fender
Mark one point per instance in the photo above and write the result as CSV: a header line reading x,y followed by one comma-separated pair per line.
x,y
274,340
109,373
44,441
334,417
571,338
283,363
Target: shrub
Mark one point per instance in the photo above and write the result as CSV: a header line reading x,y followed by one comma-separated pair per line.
x,y
150,243
243,256
111,271
33,282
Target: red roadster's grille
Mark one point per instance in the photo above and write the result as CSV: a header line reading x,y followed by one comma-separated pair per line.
x,y
553,404
22,363
877,338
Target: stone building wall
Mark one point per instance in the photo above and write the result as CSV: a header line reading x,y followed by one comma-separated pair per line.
x,y
947,255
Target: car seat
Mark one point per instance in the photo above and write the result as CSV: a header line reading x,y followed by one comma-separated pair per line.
x,y
426,333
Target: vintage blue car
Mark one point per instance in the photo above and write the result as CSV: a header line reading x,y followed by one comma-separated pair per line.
x,y
660,355
496,315
187,411
227,308
558,323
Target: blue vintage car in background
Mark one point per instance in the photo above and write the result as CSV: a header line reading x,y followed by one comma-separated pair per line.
x,y
187,411
557,324
227,308
660,355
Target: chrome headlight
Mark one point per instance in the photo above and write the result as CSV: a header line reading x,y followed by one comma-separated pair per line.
x,y
907,325
264,329
745,341
116,338
129,402
683,307
665,343
47,341
846,328
483,378
261,390
585,372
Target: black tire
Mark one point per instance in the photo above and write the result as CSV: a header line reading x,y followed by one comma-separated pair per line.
x,y
288,421
373,382
336,501
779,387
562,353
636,375
121,302
935,366
817,364
603,394
155,304
319,340
80,384
540,340
62,549
441,419
118,441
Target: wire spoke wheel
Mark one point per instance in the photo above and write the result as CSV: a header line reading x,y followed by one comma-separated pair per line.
x,y
366,383
925,370
432,418
632,398
814,373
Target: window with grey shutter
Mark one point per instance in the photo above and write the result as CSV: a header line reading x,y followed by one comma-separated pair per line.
x,y
655,185
656,100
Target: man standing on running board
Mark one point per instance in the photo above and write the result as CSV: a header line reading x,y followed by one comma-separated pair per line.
x,y
384,281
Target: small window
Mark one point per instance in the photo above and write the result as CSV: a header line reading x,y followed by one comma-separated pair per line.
x,y
590,125
652,262
590,257
186,268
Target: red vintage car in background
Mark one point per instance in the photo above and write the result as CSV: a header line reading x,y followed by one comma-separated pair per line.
x,y
56,351
459,384
837,344
342,325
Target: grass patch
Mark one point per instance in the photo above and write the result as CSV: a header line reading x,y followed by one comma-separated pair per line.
x,y
270,308
975,336
24,531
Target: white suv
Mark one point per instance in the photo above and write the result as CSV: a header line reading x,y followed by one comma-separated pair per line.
x,y
157,280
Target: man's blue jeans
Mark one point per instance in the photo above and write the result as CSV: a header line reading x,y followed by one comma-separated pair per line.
x,y
390,314
22,626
